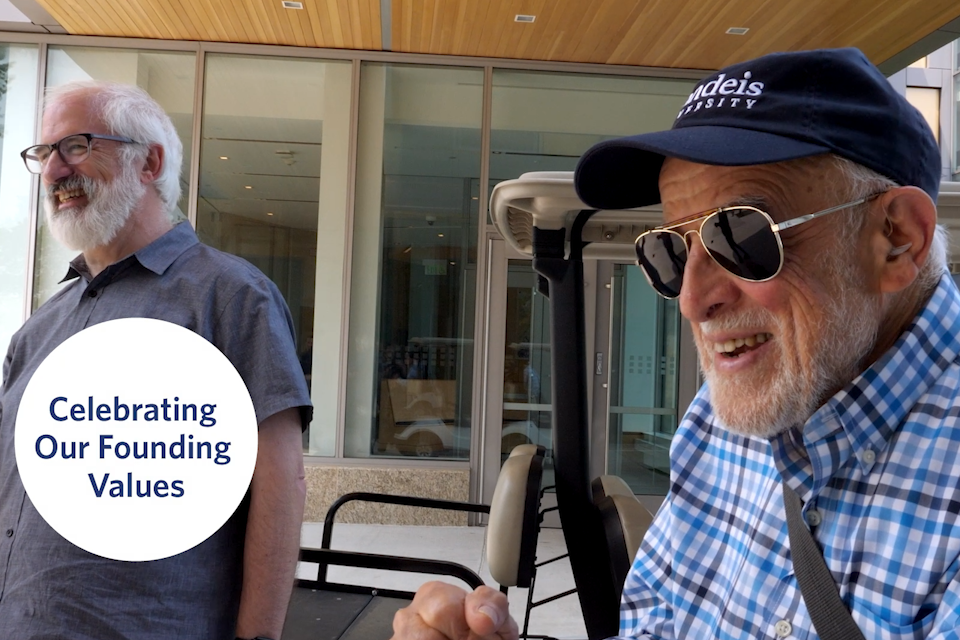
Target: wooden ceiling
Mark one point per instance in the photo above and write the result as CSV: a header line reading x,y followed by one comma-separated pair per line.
x,y
653,33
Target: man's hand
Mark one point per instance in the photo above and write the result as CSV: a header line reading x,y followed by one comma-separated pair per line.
x,y
441,611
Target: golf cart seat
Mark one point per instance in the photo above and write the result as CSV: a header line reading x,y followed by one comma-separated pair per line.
x,y
625,522
320,609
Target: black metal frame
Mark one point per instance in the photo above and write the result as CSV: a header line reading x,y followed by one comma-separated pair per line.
x,y
526,574
325,556
580,519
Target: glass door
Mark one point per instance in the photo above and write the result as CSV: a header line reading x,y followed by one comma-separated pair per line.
x,y
642,366
527,379
643,384
517,376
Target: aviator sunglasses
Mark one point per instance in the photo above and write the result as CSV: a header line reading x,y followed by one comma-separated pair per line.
x,y
742,239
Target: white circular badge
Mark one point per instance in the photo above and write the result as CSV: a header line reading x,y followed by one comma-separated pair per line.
x,y
136,439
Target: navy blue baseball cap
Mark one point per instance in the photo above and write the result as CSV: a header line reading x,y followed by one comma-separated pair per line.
x,y
780,107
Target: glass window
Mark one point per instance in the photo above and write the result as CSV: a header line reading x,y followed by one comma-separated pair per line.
x,y
527,370
956,126
644,354
413,281
273,187
545,121
927,101
18,98
167,76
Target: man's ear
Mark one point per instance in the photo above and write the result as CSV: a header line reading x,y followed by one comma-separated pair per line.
x,y
152,165
907,230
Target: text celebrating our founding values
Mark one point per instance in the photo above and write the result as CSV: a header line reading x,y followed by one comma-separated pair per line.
x,y
127,445
145,455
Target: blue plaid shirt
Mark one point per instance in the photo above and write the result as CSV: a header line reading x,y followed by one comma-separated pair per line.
x,y
879,472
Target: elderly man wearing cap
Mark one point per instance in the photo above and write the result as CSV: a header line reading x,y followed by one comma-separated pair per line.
x,y
800,238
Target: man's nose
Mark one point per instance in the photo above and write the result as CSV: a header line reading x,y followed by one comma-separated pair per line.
x,y
55,169
706,285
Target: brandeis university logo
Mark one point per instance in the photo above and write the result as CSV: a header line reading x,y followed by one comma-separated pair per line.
x,y
724,93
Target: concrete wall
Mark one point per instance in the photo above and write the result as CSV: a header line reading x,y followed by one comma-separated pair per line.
x,y
326,483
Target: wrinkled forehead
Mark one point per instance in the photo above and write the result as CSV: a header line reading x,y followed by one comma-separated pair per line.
x,y
75,113
687,188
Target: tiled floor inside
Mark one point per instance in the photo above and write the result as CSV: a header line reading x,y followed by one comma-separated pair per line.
x,y
465,545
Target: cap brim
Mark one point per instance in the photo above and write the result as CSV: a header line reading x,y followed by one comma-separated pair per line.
x,y
624,173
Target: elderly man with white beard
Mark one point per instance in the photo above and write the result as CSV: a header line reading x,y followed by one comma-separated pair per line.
x,y
800,238
109,160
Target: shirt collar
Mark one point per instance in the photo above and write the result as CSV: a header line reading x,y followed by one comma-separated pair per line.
x,y
860,419
156,256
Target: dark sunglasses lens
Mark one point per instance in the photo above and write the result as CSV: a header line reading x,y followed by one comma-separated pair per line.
x,y
661,255
742,242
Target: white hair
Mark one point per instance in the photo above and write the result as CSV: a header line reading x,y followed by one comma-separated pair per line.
x,y
859,182
128,110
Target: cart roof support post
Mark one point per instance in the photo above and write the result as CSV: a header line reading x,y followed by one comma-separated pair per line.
x,y
582,529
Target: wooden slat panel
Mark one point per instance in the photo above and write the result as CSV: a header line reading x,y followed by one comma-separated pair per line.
x,y
321,23
656,33
663,33
168,22
260,27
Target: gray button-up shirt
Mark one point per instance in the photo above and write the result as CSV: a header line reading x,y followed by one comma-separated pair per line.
x,y
50,588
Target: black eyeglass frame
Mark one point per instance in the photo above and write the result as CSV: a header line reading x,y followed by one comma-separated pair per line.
x,y
56,147
704,216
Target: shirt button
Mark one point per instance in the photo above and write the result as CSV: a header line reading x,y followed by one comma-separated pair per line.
x,y
813,518
869,456
783,628
92,293
9,533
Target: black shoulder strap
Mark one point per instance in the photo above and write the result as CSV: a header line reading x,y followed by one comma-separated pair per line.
x,y
831,618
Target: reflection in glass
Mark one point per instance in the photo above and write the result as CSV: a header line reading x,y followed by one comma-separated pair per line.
x,y
527,373
266,189
168,77
545,121
414,262
644,347
956,138
18,95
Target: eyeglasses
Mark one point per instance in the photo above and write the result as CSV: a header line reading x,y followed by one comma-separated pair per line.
x,y
73,149
743,240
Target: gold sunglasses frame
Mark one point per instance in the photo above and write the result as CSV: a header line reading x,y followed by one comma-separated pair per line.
x,y
776,228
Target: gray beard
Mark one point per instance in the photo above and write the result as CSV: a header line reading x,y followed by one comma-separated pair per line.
x,y
847,335
109,205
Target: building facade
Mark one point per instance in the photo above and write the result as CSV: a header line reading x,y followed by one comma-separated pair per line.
x,y
359,183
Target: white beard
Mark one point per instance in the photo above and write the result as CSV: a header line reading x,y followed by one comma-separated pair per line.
x,y
109,205
765,405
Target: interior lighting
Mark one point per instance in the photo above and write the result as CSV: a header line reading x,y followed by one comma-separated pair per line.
x,y
520,17
738,31
269,213
439,235
248,186
224,158
290,4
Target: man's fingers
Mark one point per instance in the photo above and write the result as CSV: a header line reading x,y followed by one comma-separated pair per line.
x,y
440,611
436,613
488,615
408,625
